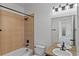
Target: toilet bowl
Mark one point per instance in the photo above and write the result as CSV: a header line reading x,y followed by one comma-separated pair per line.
x,y
39,50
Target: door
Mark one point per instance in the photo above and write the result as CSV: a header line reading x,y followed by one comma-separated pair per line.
x,y
66,29
29,31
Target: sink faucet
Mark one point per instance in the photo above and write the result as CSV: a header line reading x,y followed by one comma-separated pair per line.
x,y
63,46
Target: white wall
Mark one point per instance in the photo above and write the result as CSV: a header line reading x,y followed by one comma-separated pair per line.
x,y
77,31
42,23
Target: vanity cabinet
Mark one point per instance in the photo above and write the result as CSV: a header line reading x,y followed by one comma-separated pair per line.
x,y
50,53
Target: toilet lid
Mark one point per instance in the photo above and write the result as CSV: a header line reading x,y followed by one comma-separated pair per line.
x,y
40,46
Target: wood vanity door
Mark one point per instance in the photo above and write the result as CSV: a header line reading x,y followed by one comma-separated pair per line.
x,y
12,34
29,31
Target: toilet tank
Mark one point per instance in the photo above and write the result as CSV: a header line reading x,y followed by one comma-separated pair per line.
x,y
40,50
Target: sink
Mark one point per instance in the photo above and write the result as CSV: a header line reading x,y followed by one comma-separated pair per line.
x,y
59,52
67,46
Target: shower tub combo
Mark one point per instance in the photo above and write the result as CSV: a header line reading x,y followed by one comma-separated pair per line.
x,y
20,52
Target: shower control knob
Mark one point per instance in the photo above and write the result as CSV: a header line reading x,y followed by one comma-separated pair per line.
x,y
0,29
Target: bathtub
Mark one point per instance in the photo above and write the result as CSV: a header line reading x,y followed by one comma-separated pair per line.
x,y
20,52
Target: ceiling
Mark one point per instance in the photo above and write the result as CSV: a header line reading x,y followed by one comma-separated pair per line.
x,y
27,4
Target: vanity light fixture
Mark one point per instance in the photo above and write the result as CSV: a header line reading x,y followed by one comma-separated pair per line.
x,y
56,9
63,7
67,4
53,7
71,6
59,5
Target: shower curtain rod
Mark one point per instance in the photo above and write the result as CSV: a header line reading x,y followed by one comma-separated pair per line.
x,y
14,10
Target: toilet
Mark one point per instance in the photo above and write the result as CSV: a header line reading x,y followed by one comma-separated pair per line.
x,y
39,50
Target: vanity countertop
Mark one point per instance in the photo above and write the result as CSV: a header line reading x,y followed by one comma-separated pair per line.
x,y
49,50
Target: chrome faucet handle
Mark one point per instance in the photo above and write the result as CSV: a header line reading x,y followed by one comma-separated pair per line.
x,y
63,48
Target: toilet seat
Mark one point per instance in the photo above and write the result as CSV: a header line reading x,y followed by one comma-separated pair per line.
x,y
35,55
